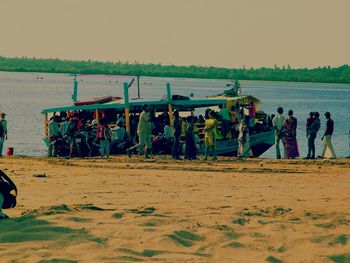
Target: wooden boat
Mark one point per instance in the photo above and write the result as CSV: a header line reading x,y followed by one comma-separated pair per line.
x,y
93,101
260,140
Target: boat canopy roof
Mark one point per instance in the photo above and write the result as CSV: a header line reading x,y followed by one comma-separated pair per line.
x,y
236,98
136,106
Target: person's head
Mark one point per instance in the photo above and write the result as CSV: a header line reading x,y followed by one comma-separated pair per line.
x,y
317,115
328,115
176,113
280,110
56,118
2,115
311,114
145,108
120,124
189,119
290,113
206,114
212,114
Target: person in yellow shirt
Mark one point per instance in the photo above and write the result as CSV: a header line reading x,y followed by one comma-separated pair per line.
x,y
210,134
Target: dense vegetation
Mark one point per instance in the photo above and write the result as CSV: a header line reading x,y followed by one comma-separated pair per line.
x,y
321,74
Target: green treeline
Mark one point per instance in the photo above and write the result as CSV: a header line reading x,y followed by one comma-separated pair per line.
x,y
321,74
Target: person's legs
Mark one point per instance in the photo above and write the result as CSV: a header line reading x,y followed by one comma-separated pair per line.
x,y
213,147
328,139
71,146
1,144
54,149
176,146
187,148
103,147
107,148
277,142
148,144
324,147
313,150
207,146
309,146
142,143
283,139
50,150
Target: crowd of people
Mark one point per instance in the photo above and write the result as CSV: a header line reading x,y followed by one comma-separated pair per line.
x,y
83,133
286,133
186,135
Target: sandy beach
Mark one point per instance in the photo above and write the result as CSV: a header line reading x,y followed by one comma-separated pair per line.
x,y
158,210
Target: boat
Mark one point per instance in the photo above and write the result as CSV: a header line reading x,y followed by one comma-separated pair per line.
x,y
260,139
94,101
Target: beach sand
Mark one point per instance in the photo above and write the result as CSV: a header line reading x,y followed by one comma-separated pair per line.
x,y
160,210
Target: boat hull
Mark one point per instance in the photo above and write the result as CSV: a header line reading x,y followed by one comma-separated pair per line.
x,y
94,101
259,143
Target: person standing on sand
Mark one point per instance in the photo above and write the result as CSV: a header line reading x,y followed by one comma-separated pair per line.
x,y
191,150
3,131
243,140
104,136
309,121
177,126
311,133
277,123
210,134
290,130
54,134
144,133
327,136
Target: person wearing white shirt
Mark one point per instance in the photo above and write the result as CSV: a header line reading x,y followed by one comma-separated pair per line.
x,y
277,123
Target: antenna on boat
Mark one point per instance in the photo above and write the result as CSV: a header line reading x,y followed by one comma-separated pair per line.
x,y
138,86
75,89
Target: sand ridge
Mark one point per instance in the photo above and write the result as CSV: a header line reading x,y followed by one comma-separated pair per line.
x,y
125,210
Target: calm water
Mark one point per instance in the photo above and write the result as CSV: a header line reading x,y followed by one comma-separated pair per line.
x,y
24,95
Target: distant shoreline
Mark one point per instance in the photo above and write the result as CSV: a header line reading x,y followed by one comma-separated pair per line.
x,y
131,76
339,75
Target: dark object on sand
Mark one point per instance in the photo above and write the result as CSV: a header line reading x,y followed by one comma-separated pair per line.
x,y
9,191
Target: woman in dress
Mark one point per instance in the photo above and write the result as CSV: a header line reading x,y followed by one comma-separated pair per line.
x,y
290,127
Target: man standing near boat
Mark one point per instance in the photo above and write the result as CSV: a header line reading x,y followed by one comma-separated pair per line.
x,y
144,133
177,125
3,131
54,133
327,136
277,123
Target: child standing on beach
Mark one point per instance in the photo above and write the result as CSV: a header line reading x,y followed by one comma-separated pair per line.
x,y
104,137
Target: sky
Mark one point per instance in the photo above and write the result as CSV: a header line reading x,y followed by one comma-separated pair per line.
x,y
223,33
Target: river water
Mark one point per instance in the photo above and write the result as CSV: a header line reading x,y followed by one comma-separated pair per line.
x,y
24,95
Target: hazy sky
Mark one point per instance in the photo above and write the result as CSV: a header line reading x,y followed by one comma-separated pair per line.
x,y
229,33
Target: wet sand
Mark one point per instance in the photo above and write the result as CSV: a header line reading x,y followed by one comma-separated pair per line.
x,y
126,210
